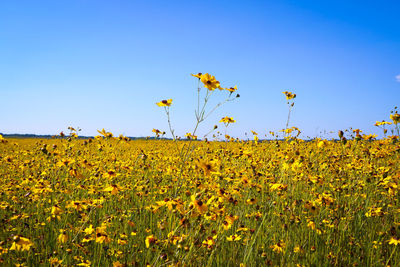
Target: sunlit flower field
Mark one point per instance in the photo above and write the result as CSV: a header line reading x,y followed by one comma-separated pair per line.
x,y
112,201
109,201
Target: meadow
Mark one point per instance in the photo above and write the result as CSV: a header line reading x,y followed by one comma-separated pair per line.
x,y
111,201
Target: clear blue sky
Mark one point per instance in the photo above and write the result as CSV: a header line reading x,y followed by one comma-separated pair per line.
x,y
104,64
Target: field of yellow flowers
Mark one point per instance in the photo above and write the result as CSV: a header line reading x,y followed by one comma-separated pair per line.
x,y
110,201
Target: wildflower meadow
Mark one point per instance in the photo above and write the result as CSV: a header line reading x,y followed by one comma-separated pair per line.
x,y
212,200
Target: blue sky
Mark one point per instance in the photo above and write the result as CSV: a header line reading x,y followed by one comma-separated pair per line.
x,y
104,64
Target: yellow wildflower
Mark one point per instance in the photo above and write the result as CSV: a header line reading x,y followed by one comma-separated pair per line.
x,y
21,244
395,118
89,230
62,237
233,238
198,75
279,247
289,95
394,241
209,82
164,103
227,120
150,240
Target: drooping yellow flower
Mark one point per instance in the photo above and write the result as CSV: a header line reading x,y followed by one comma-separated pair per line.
x,y
151,239
209,82
279,247
55,213
165,103
62,237
55,210
21,244
394,241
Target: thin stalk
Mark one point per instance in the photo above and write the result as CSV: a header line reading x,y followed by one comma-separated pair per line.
x,y
288,118
169,123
